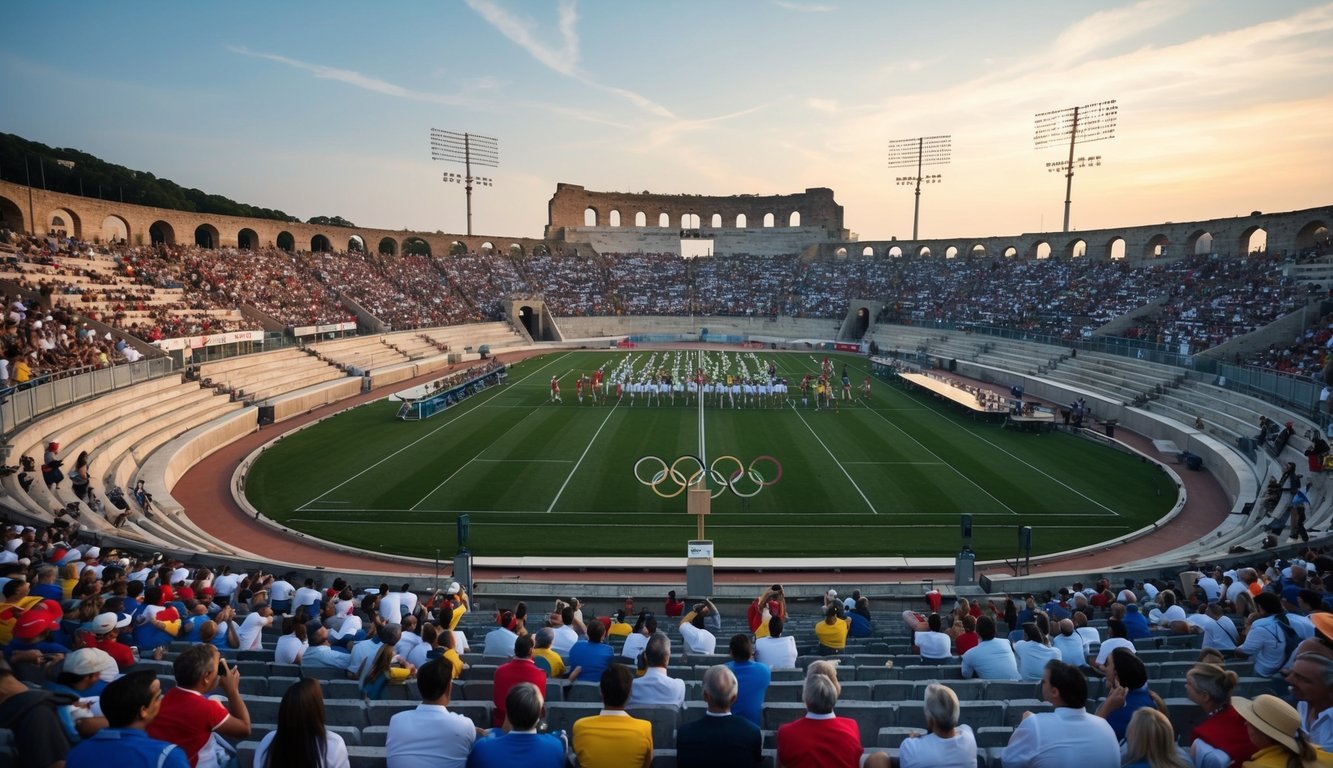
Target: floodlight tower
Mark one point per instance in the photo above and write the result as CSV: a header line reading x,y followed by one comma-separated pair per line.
x,y
1080,125
919,152
468,149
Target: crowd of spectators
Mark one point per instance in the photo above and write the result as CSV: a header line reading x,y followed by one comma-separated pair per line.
x,y
486,278
743,285
573,284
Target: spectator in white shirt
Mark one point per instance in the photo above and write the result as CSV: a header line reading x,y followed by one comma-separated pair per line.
x,y
280,594
777,650
565,636
1117,637
644,628
1168,612
252,628
292,644
931,643
697,639
1218,630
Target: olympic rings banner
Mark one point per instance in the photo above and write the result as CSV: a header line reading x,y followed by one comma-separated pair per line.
x,y
733,475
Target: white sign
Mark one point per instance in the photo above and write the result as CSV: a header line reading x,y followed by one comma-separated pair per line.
x,y
311,330
196,342
700,549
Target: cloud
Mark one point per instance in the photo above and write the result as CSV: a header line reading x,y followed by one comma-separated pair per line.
x,y
355,79
804,7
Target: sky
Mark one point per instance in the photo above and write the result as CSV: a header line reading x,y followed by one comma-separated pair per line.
x,y
325,108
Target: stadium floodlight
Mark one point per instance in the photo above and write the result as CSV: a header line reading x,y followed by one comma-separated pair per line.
x,y
468,149
918,153
1077,125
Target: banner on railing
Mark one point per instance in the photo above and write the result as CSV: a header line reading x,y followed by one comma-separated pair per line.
x,y
211,340
312,330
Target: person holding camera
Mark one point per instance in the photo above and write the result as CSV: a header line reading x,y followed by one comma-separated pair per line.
x,y
189,719
697,639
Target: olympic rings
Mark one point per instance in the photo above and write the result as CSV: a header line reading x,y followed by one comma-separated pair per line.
x,y
701,475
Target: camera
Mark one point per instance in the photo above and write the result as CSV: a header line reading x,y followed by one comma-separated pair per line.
x,y
222,668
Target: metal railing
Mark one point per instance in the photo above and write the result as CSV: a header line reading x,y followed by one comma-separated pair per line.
x,y
41,396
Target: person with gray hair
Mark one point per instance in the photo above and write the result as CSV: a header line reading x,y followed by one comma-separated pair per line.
x,y
821,738
948,742
720,738
1311,681
555,666
656,687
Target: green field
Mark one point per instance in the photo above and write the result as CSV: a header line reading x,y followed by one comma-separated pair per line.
x,y
880,478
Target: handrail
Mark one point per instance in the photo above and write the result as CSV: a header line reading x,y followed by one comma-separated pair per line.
x,y
31,400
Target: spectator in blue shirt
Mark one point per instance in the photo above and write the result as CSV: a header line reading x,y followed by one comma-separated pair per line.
x,y
130,703
752,680
521,744
589,658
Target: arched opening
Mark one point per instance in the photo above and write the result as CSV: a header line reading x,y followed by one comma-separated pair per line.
x,y
689,221
488,247
247,239
923,251
1311,235
528,316
841,253
541,250
457,249
115,229
740,221
1199,243
640,219
716,221
1011,252
161,233
1040,250
951,252
589,217
355,244
1156,247
1115,250
895,252
415,246
1254,240
769,219
286,242
867,251
613,218
63,221
387,246
978,250
663,220
794,220
206,236
11,215
320,244
1077,249
516,250
860,324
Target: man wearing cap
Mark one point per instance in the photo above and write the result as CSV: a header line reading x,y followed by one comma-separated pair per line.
x,y
130,705
34,629
16,602
458,602
81,677
105,629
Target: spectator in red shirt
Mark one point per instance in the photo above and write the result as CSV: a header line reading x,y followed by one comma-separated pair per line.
x,y
520,669
103,632
674,607
188,718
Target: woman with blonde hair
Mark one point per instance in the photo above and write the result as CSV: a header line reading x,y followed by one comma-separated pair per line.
x,y
1150,742
1209,686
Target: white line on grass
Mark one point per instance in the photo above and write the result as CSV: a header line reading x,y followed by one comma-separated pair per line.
x,y
494,391
835,459
526,461
591,442
703,458
334,515
899,463
689,526
464,466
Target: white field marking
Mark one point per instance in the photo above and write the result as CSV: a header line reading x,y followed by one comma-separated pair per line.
x,y
451,476
526,461
835,459
578,463
899,463
683,526
703,457
623,513
494,391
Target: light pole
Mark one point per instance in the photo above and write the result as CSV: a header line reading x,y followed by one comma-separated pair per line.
x,y
468,149
919,152
1090,122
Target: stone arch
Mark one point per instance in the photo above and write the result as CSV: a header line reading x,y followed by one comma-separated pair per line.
x,y
161,233
769,220
590,217
355,244
951,252
663,219
286,242
206,236
923,252
977,250
794,220
487,247
1156,246
1252,240
716,221
65,220
895,252
841,253
1078,248
115,229
516,250
457,248
1306,238
1115,248
868,251
11,215
613,218
741,221
415,246
388,246
1011,252
640,219
1199,242
1040,250
689,221
320,244
247,239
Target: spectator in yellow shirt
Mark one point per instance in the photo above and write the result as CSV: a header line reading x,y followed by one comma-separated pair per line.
x,y
832,632
613,738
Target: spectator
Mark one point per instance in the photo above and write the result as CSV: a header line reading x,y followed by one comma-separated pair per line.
x,y
292,644
430,736
777,651
1311,680
644,628
719,739
1066,736
821,739
1273,637
1126,691
1275,728
322,655
696,639
520,669
591,656
500,641
32,716
1033,652
1218,630
545,658
752,679
946,742
862,625
301,738
130,704
656,686
1209,686
190,719
1150,742
105,633
612,738
1070,644
1116,638
673,607
932,643
966,640
831,632
519,743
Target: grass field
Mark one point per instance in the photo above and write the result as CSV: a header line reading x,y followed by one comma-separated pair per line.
x,y
887,476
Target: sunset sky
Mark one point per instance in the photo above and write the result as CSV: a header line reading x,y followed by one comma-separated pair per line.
x,y
325,108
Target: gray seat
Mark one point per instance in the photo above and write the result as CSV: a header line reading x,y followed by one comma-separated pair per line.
x,y
665,719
